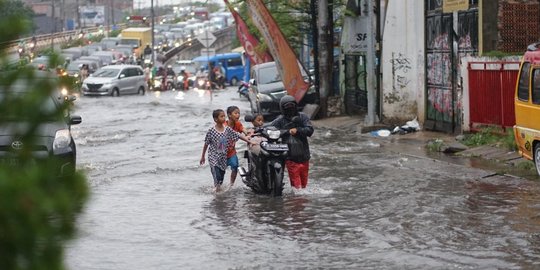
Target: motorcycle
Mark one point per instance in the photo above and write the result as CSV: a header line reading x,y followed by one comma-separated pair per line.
x,y
171,82
243,89
266,161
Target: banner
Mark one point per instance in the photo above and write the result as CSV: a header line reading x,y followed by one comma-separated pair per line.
x,y
249,42
455,5
280,49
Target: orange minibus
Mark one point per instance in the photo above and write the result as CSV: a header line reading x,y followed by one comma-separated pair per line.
x,y
527,106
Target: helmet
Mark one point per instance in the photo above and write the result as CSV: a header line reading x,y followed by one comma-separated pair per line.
x,y
183,68
169,66
288,106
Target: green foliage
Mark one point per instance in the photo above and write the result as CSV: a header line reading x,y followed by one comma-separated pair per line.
x,y
114,33
484,136
499,54
526,165
16,9
37,207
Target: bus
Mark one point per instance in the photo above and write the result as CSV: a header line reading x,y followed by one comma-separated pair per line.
x,y
232,63
527,106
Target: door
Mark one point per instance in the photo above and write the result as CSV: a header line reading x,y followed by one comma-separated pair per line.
x,y
355,84
446,43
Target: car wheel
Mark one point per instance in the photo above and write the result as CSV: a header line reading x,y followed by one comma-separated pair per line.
x,y
115,92
537,157
141,90
234,81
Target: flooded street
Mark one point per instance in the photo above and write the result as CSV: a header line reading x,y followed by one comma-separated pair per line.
x,y
151,205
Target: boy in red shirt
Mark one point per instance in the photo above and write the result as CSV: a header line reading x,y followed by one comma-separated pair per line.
x,y
233,114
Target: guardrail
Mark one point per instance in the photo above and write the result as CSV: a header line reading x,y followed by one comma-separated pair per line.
x,y
47,39
195,42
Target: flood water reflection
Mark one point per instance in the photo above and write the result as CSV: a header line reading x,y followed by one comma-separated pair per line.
x,y
366,207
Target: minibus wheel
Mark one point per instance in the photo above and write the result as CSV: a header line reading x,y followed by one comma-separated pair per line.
x,y
537,157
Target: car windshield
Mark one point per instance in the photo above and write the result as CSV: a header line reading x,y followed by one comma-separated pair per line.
x,y
106,73
74,66
48,107
268,75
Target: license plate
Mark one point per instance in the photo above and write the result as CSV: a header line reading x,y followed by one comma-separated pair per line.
x,y
276,147
12,162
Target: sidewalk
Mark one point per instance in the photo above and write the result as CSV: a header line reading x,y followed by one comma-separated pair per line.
x,y
496,158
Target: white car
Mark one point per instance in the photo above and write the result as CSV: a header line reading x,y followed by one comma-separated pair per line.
x,y
115,80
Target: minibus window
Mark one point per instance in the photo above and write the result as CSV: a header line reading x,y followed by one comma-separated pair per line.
x,y
234,62
523,86
536,87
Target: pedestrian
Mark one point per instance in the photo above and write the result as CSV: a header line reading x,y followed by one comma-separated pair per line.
x,y
216,142
300,129
257,122
233,115
84,72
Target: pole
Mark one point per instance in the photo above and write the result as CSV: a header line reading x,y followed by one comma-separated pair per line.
x,y
54,24
324,72
315,42
371,117
153,36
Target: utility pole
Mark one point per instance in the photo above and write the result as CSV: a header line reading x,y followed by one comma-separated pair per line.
x,y
371,83
78,14
324,72
315,42
153,36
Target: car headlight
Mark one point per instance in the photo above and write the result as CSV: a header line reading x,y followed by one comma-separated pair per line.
x,y
84,86
274,134
76,75
61,142
264,97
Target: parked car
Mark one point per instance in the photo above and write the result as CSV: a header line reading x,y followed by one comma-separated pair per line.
x,y
51,140
107,57
115,80
267,88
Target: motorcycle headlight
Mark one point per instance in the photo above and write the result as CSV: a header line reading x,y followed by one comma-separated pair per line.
x,y
273,134
264,97
76,75
61,141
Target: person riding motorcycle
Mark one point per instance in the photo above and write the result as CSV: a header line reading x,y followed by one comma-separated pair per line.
x,y
185,77
299,155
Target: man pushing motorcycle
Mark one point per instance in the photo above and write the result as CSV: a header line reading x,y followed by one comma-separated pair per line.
x,y
298,159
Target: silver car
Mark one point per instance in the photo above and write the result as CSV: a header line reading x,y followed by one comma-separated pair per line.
x,y
115,80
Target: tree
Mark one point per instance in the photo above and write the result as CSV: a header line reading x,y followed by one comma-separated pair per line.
x,y
37,208
17,9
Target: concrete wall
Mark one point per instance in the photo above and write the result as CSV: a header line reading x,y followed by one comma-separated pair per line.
x,y
403,64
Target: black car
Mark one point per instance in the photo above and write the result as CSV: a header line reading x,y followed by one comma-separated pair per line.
x,y
267,88
50,138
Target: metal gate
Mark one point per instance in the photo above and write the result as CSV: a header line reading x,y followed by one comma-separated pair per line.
x,y
355,84
444,47
491,93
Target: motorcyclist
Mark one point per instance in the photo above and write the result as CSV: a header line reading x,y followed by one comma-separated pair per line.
x,y
300,129
185,77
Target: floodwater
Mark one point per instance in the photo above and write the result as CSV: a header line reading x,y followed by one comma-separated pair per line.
x,y
366,207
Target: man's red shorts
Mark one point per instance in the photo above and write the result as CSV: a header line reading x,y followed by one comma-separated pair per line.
x,y
298,173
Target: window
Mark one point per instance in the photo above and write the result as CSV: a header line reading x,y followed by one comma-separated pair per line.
x,y
536,86
523,86
234,62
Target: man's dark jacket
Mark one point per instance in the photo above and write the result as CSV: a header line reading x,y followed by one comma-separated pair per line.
x,y
304,130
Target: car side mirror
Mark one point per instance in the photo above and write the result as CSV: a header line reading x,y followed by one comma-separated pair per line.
x,y
252,82
70,98
75,120
122,76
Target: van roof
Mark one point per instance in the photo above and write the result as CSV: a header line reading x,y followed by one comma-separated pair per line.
x,y
533,53
204,58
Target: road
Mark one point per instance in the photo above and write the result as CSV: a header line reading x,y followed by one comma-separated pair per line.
x,y
366,206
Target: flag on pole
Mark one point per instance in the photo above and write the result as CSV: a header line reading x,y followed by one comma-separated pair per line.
x,y
249,42
280,49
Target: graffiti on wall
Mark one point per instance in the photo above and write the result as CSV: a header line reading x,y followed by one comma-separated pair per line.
x,y
439,104
400,66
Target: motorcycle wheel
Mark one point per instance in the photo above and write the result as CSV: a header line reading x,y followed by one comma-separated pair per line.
x,y
277,186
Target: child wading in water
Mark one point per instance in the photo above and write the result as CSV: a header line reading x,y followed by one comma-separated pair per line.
x,y
217,140
233,122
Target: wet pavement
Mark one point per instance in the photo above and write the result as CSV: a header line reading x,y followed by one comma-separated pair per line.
x,y
369,204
